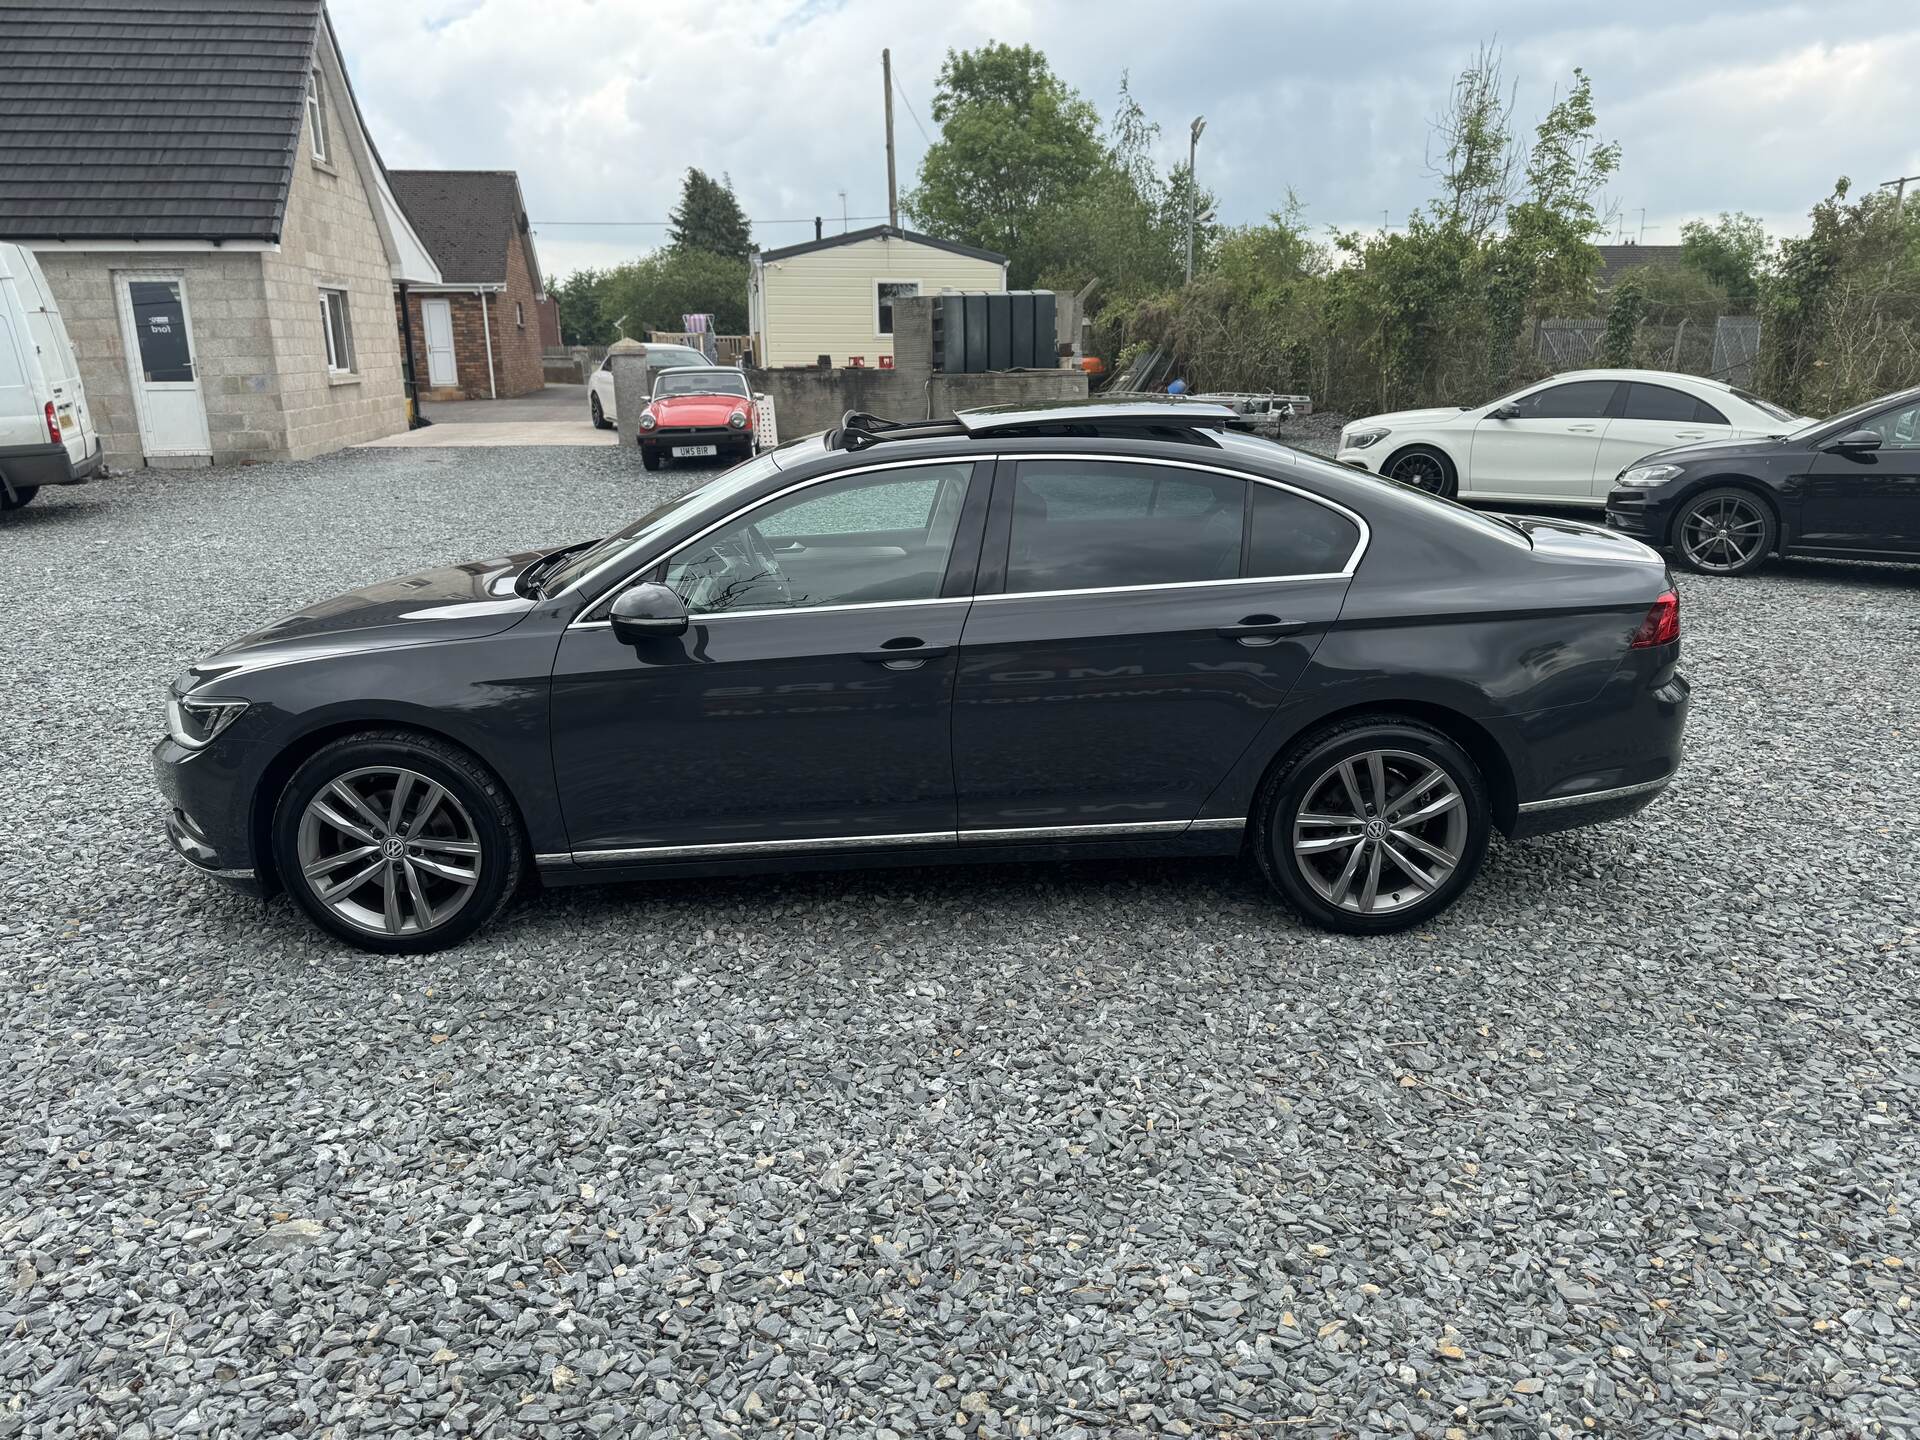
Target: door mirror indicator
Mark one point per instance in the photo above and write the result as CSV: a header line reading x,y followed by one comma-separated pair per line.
x,y
1503,412
648,611
1858,440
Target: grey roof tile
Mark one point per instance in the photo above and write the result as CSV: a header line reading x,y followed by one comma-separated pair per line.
x,y
151,119
465,217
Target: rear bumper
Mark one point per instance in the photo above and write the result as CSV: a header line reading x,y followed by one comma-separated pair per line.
x,y
32,466
1621,766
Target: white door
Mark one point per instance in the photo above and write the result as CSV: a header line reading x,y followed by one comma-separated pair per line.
x,y
160,358
1546,448
437,315
1654,417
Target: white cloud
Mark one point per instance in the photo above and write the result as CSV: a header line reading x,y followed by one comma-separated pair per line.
x,y
600,105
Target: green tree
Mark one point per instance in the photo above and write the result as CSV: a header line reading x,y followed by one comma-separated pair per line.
x,y
1626,307
1730,252
708,217
653,293
1016,144
582,321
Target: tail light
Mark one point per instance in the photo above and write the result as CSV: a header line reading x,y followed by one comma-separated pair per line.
x,y
53,424
1662,625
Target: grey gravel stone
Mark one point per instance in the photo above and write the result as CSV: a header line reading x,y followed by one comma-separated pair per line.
x,y
1628,1136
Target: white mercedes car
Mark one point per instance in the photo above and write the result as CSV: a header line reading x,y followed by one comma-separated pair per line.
x,y
1559,442
659,357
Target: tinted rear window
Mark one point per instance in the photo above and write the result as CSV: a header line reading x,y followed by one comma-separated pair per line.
x,y
1668,406
1091,524
1295,536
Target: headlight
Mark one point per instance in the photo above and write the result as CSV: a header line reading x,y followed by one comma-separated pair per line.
x,y
194,722
1648,475
1361,439
738,419
647,422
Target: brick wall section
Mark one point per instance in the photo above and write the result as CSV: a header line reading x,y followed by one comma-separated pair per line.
x,y
517,366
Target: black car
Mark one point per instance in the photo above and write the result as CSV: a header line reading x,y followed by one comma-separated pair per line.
x,y
1848,488
1091,631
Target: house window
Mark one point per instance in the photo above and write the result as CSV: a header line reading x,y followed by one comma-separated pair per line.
x,y
316,117
885,292
338,328
519,315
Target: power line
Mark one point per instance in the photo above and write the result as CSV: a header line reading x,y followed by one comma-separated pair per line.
x,y
911,115
633,224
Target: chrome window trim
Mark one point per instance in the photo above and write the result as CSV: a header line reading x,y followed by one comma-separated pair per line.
x,y
1344,573
1596,797
581,622
731,848
795,610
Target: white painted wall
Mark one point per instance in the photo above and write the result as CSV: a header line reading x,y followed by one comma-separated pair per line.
x,y
822,303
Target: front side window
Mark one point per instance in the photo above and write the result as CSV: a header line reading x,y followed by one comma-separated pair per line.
x,y
860,540
1093,524
885,293
1578,400
337,327
1898,429
316,116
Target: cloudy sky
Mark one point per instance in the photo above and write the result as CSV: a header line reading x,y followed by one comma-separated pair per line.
x,y
602,104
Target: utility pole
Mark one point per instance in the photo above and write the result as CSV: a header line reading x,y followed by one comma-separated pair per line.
x,y
893,188
1643,226
1899,189
1193,185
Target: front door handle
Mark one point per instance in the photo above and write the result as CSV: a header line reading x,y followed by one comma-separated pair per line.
x,y
906,652
1581,429
1260,629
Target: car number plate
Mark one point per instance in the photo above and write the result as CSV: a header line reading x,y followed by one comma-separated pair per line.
x,y
66,420
684,450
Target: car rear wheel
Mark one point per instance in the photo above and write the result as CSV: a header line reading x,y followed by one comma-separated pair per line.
x,y
1424,468
16,497
1724,531
397,843
1373,824
600,421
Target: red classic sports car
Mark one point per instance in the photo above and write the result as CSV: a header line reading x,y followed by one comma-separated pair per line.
x,y
697,413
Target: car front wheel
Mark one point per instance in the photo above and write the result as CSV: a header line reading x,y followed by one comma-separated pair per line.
x,y
397,842
1724,531
1424,468
1373,824
651,458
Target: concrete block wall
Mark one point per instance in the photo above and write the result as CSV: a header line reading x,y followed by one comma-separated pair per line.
x,y
233,349
331,238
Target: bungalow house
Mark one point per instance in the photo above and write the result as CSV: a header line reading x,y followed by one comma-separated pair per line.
x,y
475,334
198,184
834,294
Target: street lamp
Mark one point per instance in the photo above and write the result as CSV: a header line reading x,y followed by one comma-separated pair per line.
x,y
1193,187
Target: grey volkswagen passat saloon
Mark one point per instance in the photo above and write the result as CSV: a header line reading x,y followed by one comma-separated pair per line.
x,y
1098,630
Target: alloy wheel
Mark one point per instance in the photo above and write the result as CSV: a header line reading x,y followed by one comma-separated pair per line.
x,y
1423,472
389,850
1380,831
1723,533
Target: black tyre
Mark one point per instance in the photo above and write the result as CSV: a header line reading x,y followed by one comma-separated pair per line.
x,y
18,496
600,421
652,459
1424,468
1372,824
397,842
1725,531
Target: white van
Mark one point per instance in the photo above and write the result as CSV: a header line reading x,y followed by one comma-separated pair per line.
x,y
46,433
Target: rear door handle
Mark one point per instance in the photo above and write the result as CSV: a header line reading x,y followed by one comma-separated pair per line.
x,y
908,652
1260,629
1581,429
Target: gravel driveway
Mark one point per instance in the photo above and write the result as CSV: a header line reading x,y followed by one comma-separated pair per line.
x,y
1625,1144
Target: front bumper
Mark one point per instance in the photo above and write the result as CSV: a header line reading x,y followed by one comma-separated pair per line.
x,y
1355,458
725,437
207,820
1637,512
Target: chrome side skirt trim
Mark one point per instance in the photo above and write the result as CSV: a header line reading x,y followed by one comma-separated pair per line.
x,y
1017,835
1595,797
1075,832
